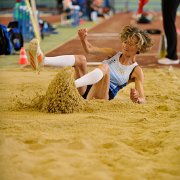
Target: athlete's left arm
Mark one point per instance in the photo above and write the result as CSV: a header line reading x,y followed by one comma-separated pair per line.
x,y
137,93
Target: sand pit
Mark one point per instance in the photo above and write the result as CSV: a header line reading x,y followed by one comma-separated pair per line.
x,y
106,140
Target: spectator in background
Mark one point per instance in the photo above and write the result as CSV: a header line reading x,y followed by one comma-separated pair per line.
x,y
141,16
68,6
99,10
59,6
169,10
110,4
68,9
97,6
88,9
82,5
141,5
16,10
61,11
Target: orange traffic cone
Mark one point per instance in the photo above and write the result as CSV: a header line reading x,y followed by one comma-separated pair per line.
x,y
23,57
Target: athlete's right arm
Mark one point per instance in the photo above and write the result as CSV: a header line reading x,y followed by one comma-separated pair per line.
x,y
90,49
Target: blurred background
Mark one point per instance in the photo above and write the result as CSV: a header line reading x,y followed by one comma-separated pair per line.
x,y
50,5
25,19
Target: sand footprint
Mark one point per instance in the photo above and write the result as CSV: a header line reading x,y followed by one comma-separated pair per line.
x,y
80,145
109,145
34,144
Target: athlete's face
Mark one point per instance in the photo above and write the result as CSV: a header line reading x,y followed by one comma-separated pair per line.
x,y
129,47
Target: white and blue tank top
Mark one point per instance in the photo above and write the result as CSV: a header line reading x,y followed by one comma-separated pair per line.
x,y
119,73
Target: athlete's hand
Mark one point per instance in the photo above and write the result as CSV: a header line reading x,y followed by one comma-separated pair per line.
x,y
82,34
134,95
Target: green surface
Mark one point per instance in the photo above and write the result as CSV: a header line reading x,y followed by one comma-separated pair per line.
x,y
65,34
47,44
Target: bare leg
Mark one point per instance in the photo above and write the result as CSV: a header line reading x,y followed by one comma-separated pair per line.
x,y
80,67
100,90
77,61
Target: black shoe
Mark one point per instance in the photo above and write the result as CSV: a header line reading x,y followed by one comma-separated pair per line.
x,y
153,31
143,20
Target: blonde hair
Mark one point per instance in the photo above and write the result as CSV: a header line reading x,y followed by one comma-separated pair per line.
x,y
144,42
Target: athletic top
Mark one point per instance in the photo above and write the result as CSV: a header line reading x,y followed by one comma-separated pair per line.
x,y
119,73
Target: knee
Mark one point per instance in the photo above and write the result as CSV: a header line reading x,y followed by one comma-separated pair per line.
x,y
80,60
105,69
